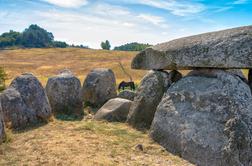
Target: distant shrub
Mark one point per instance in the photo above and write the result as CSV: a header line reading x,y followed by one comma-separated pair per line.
x,y
79,46
60,44
132,47
3,77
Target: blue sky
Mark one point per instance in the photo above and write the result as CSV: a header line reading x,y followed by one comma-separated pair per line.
x,y
89,22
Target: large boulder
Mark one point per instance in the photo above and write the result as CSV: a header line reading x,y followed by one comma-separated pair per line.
x,y
127,94
230,48
64,94
99,86
33,95
115,110
2,131
15,112
206,119
148,96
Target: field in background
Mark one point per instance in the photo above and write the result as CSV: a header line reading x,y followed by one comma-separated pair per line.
x,y
47,62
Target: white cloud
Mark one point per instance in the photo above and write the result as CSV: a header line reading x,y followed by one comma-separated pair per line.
x,y
238,2
106,9
67,3
92,26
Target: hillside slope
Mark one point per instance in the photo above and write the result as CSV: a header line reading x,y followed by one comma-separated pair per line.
x,y
47,62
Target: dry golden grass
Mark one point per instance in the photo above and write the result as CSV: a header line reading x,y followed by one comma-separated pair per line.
x,y
86,142
47,62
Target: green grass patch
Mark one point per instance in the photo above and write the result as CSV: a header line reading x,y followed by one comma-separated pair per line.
x,y
111,129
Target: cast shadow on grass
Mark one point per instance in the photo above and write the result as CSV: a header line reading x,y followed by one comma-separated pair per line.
x,y
31,126
68,113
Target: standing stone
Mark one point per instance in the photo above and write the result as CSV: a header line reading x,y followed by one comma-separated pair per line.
x,y
227,49
115,110
64,94
2,131
15,112
99,86
148,96
206,120
127,94
33,95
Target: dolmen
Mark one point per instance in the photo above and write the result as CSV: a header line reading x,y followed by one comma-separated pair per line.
x,y
25,102
206,116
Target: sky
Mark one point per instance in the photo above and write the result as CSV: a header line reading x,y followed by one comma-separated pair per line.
x,y
89,22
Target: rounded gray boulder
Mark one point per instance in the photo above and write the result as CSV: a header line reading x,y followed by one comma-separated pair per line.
x,y
206,119
16,114
127,94
33,95
115,110
148,96
99,86
64,94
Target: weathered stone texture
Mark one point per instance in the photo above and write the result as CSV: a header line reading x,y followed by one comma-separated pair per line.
x,y
206,119
64,94
115,110
148,96
99,86
127,94
228,49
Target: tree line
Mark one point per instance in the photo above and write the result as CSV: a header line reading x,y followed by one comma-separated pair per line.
x,y
126,47
132,47
37,37
32,37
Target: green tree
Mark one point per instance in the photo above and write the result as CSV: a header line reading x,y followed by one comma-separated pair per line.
x,y
9,39
37,37
105,45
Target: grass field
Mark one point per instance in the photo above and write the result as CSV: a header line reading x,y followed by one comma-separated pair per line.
x,y
85,142
47,62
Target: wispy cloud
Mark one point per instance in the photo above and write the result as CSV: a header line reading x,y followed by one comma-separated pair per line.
x,y
100,22
156,20
223,9
238,2
121,21
176,7
67,3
